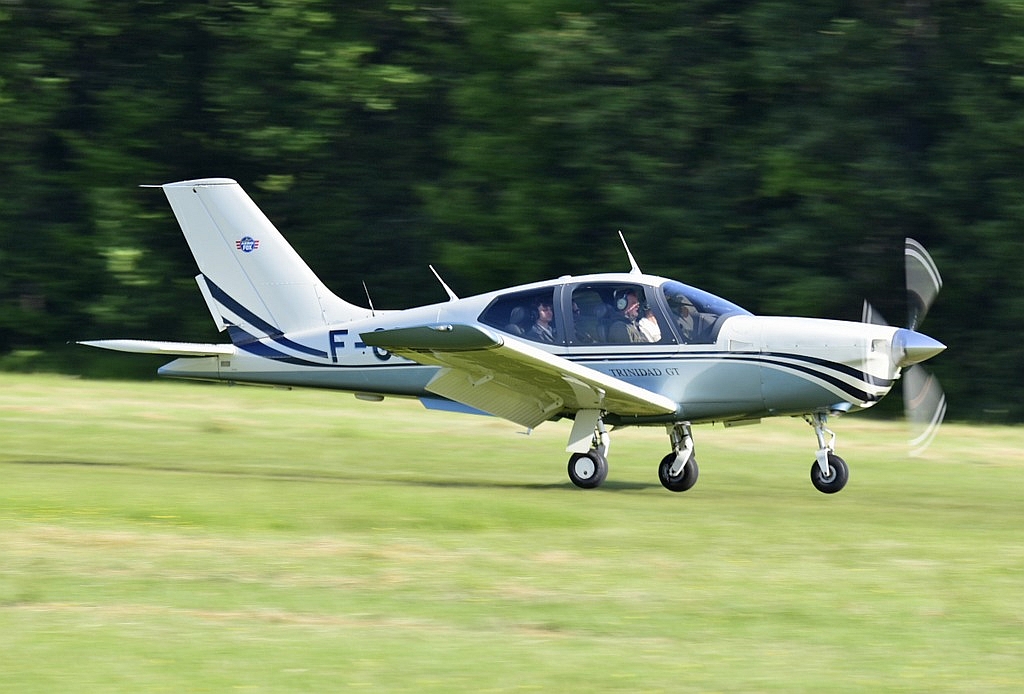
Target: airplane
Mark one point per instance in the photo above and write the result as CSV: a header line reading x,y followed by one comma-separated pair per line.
x,y
603,350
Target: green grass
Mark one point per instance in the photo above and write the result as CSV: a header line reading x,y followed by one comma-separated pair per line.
x,y
182,537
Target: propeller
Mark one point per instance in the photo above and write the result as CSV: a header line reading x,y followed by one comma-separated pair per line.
x,y
924,401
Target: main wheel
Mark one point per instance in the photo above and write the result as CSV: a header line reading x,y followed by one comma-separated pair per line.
x,y
686,478
838,474
588,470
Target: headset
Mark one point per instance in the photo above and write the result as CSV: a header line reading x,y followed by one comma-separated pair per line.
x,y
621,297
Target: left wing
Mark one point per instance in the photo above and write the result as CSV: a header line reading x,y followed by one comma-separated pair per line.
x,y
511,379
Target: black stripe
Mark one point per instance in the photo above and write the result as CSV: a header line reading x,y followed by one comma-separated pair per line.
x,y
773,359
241,338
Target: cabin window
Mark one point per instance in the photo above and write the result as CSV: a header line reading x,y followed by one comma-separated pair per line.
x,y
616,313
527,315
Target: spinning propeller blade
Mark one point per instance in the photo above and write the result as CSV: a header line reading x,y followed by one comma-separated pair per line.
x,y
925,407
870,315
924,402
923,282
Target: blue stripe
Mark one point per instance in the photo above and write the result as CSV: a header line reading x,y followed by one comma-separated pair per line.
x,y
261,349
241,311
241,338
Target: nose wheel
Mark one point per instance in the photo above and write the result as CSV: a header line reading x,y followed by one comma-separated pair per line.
x,y
829,473
832,481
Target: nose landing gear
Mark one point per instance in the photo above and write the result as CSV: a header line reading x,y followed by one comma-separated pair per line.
x,y
829,473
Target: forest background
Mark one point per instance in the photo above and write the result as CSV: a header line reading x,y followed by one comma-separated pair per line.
x,y
775,153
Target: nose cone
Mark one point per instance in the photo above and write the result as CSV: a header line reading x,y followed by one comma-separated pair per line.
x,y
910,347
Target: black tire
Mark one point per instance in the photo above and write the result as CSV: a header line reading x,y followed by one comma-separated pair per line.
x,y
686,479
839,474
587,470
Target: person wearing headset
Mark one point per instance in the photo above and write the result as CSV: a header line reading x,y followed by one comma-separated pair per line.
x,y
624,328
542,329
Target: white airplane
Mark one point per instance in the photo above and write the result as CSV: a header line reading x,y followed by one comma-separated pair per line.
x,y
610,349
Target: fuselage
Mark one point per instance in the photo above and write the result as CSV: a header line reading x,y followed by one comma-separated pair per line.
x,y
716,360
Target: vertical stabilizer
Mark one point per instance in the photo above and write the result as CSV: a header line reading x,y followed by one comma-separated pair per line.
x,y
251,277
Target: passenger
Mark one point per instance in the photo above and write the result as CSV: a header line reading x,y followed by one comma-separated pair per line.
x,y
624,328
541,330
648,325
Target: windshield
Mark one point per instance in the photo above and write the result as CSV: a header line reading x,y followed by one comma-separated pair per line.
x,y
697,314
677,292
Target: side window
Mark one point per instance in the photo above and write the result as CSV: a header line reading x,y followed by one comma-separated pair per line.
x,y
612,313
590,314
529,315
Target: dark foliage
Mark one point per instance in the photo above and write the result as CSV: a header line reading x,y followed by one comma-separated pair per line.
x,y
773,152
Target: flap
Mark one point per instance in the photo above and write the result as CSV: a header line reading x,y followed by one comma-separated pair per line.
x,y
512,379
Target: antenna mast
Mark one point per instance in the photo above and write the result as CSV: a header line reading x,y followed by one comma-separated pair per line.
x,y
368,299
447,289
633,267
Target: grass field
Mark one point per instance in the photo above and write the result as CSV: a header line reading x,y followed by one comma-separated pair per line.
x,y
180,537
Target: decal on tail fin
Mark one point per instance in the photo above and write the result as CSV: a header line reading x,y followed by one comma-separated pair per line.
x,y
251,277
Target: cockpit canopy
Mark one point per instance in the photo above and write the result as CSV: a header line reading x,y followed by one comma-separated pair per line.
x,y
604,312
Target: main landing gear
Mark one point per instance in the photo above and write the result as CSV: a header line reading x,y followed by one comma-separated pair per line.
x,y
587,470
678,470
829,472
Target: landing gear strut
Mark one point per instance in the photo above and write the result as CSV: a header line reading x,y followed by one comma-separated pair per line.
x,y
588,470
678,470
829,472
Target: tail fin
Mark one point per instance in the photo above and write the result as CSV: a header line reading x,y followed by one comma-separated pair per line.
x,y
252,279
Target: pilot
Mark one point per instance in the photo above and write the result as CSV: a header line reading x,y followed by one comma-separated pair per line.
x,y
686,317
541,330
624,328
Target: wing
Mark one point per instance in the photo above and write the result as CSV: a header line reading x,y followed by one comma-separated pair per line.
x,y
177,349
511,379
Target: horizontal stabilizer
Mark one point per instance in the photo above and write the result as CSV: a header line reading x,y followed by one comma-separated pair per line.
x,y
176,349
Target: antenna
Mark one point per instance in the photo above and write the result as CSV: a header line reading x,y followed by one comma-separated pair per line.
x,y
447,289
634,269
368,299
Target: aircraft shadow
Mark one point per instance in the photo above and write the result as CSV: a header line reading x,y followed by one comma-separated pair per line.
x,y
340,478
